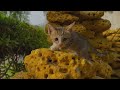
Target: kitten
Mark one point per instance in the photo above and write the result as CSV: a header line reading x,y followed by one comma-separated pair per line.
x,y
67,39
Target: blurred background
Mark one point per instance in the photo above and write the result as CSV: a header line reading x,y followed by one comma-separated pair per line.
x,y
37,18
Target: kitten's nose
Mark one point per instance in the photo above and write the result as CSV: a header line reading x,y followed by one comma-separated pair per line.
x,y
61,45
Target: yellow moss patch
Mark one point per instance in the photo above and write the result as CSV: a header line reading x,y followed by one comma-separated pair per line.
x,y
110,57
97,25
110,31
53,16
83,31
102,71
116,35
61,65
100,42
111,38
91,14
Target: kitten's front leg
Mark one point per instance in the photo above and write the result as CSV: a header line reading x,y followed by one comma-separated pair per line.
x,y
54,47
85,54
72,51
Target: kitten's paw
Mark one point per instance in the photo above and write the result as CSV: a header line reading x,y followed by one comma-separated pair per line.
x,y
51,48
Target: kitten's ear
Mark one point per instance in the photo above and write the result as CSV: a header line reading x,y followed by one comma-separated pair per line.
x,y
50,29
70,26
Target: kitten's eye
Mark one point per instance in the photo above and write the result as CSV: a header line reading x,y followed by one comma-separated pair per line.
x,y
64,39
56,39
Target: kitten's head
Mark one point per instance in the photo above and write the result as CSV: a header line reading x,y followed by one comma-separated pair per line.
x,y
60,36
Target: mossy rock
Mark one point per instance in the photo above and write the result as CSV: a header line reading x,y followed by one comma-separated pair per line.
x,y
46,64
99,25
58,17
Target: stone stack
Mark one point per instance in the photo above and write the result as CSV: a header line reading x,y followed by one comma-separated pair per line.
x,y
114,37
46,64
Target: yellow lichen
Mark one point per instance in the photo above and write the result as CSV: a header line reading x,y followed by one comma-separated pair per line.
x,y
100,42
113,39
83,31
116,35
104,70
61,65
58,17
99,25
88,15
110,31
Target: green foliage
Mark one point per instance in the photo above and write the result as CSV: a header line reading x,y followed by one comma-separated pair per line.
x,y
18,38
20,35
10,66
20,15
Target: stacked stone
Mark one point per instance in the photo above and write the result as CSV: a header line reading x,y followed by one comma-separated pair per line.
x,y
46,64
114,37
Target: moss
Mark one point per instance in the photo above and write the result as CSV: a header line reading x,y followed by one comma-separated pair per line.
x,y
46,64
59,17
100,42
99,25
111,31
89,15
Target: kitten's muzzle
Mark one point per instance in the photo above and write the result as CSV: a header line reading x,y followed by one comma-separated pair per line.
x,y
61,45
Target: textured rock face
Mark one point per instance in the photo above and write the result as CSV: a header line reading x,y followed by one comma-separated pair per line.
x,y
46,64
113,36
